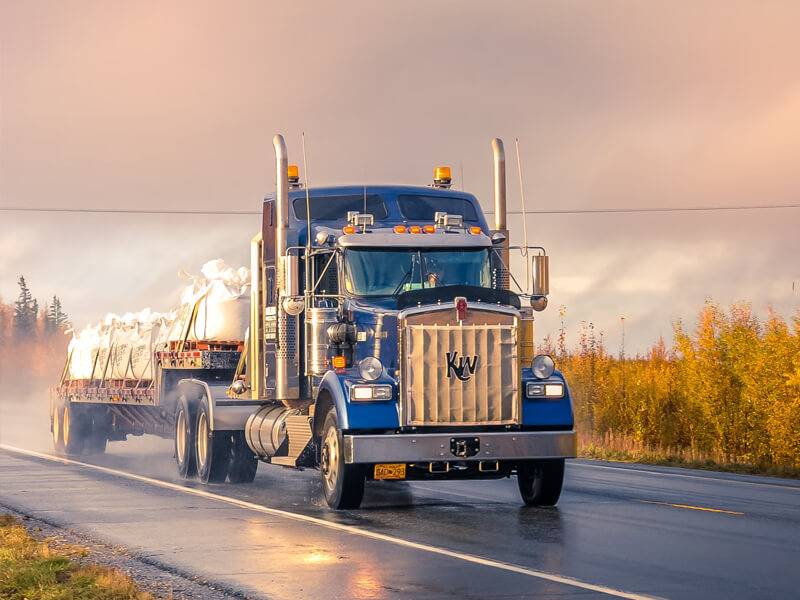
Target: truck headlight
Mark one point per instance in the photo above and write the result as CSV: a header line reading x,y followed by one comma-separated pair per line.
x,y
371,392
544,390
543,366
370,368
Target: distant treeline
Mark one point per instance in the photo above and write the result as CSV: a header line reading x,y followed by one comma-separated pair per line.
x,y
32,340
729,390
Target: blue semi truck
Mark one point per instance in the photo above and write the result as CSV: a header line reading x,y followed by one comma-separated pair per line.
x,y
384,343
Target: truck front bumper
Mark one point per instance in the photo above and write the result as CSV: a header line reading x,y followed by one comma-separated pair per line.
x,y
436,447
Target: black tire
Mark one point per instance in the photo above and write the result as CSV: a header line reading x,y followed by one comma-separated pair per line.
x,y
540,481
75,428
212,448
243,462
100,425
343,484
56,426
184,440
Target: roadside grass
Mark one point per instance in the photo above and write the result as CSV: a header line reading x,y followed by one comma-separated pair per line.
x,y
620,451
32,570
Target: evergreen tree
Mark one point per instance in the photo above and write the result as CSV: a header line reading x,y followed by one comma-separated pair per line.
x,y
26,310
54,317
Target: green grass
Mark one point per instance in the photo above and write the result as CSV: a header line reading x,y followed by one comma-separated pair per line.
x,y
649,457
33,570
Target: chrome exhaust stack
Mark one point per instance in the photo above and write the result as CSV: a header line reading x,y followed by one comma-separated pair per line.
x,y
500,223
287,363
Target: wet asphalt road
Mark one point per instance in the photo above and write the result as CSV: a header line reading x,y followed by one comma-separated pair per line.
x,y
621,528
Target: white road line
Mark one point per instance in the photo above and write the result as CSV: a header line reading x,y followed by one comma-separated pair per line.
x,y
685,476
569,581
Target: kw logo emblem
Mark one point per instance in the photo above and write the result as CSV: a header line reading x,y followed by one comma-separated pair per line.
x,y
463,369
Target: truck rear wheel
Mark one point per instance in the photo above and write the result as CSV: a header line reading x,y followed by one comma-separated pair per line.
x,y
212,448
540,481
343,483
243,462
184,440
75,428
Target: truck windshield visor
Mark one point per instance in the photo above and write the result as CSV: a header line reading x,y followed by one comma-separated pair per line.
x,y
383,272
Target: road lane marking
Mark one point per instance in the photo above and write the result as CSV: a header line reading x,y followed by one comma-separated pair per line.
x,y
470,558
686,476
715,510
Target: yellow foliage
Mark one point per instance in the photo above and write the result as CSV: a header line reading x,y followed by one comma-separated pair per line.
x,y
729,389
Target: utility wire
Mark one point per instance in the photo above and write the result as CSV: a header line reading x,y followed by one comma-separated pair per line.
x,y
131,211
579,211
583,211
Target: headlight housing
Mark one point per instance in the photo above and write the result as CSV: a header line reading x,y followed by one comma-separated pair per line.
x,y
543,366
370,392
370,368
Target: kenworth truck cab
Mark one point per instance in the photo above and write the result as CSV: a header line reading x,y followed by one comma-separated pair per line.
x,y
388,347
384,343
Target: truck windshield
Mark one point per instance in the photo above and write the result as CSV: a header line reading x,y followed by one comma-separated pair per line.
x,y
382,272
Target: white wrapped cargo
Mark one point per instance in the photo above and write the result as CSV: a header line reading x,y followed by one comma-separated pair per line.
x,y
81,350
216,307
219,301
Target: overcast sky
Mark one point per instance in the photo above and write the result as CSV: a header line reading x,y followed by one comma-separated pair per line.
x,y
156,105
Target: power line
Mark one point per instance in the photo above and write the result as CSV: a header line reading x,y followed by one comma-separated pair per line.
x,y
649,210
131,211
580,211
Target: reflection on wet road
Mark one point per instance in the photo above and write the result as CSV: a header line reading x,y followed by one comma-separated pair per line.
x,y
642,530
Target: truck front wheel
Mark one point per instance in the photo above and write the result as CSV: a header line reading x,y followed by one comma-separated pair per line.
x,y
212,448
540,481
343,483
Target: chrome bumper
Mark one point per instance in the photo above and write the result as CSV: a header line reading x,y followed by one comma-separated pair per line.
x,y
435,447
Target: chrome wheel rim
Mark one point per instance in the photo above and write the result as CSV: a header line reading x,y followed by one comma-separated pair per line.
x,y
56,427
202,440
65,426
330,458
180,436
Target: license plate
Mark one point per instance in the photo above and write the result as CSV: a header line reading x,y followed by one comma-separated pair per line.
x,y
390,471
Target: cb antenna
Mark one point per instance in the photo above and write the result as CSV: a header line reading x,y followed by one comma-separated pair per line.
x,y
308,218
524,217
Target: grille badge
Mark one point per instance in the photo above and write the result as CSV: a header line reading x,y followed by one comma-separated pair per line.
x,y
463,369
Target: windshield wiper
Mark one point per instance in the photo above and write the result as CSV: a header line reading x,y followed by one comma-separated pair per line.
x,y
406,278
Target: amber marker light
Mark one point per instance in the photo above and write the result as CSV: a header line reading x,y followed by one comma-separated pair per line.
x,y
475,230
339,362
399,228
293,172
415,229
430,228
349,229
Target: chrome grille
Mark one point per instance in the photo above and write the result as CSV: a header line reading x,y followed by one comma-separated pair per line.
x,y
460,374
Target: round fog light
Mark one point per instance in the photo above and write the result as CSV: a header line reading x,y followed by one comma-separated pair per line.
x,y
370,368
543,366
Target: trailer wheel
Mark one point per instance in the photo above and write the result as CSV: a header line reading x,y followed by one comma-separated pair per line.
x,y
243,462
540,481
57,427
184,440
75,427
343,483
212,448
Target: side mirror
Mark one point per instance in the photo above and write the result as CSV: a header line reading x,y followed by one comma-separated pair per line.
x,y
541,281
498,238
